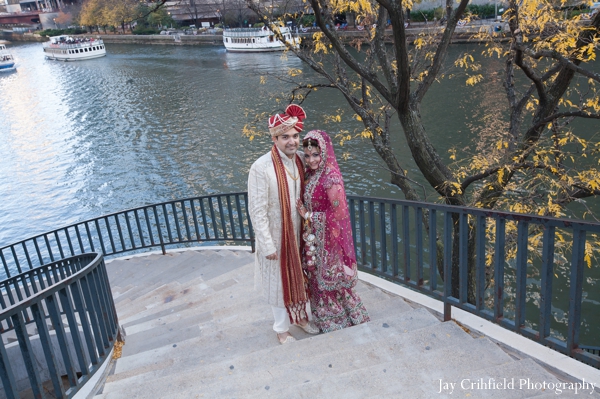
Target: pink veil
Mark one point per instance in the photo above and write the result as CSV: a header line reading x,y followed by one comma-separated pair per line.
x,y
328,177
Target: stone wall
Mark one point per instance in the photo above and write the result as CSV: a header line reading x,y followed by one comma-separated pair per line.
x,y
211,40
21,37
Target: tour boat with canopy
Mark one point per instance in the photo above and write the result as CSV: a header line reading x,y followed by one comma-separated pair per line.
x,y
66,48
257,39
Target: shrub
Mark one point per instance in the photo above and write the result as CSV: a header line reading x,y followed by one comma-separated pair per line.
x,y
142,30
483,11
58,32
422,15
480,11
306,20
51,32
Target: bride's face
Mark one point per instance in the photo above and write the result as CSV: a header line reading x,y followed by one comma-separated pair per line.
x,y
312,157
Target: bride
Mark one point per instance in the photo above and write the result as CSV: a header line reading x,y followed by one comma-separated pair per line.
x,y
328,255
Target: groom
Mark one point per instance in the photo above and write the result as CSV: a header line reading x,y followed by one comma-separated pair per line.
x,y
275,182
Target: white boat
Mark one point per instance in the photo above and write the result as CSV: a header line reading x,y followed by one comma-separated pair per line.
x,y
7,61
66,48
257,39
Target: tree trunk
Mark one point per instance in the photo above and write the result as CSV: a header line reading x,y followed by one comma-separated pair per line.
x,y
426,157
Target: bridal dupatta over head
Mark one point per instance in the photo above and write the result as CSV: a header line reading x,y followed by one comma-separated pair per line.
x,y
325,196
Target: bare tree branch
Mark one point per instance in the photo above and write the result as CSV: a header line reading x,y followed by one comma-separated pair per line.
x,y
440,54
560,58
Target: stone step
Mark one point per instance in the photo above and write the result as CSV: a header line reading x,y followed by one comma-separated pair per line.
x,y
187,370
407,332
409,375
232,285
186,270
403,322
229,312
371,294
191,352
210,321
136,291
205,332
244,377
227,305
123,268
312,363
314,346
117,290
390,307
163,294
225,262
155,295
512,379
173,266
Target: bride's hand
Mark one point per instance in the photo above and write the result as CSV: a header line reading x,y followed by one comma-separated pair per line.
x,y
300,207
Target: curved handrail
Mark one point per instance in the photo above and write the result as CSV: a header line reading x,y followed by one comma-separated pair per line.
x,y
75,288
218,218
38,281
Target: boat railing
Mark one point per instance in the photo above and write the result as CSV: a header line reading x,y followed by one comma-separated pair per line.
x,y
244,30
70,46
245,33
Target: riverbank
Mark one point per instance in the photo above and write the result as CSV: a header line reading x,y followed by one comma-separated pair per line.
x,y
21,37
462,35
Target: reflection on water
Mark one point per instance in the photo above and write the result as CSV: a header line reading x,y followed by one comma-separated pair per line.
x,y
146,124
142,125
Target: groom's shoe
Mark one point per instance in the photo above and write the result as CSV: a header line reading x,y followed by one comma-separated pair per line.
x,y
287,339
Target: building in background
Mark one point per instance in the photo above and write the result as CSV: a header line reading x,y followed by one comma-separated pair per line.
x,y
199,13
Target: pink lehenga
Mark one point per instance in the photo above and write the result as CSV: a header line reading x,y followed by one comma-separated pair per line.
x,y
329,258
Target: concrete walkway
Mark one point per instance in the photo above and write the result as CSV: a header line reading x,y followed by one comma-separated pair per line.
x,y
197,329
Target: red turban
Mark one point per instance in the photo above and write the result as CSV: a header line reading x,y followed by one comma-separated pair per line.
x,y
293,117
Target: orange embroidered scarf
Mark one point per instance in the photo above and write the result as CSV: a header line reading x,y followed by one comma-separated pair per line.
x,y
295,296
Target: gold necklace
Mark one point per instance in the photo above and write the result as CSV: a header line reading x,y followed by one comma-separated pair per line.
x,y
290,173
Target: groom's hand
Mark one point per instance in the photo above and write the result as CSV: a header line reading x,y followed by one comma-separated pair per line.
x,y
273,256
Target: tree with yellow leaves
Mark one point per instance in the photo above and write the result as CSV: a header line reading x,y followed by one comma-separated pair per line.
x,y
534,165
116,13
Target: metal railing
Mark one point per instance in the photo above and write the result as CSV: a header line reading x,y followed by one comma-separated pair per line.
x,y
216,218
65,45
246,32
595,350
394,239
58,324
415,244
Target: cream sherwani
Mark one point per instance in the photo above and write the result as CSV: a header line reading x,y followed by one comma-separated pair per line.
x,y
265,212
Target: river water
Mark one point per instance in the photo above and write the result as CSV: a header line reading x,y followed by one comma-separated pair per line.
x,y
147,124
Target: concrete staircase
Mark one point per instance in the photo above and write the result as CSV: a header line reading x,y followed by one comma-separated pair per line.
x,y
197,329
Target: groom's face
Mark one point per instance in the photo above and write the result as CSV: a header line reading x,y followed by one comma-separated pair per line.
x,y
288,142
